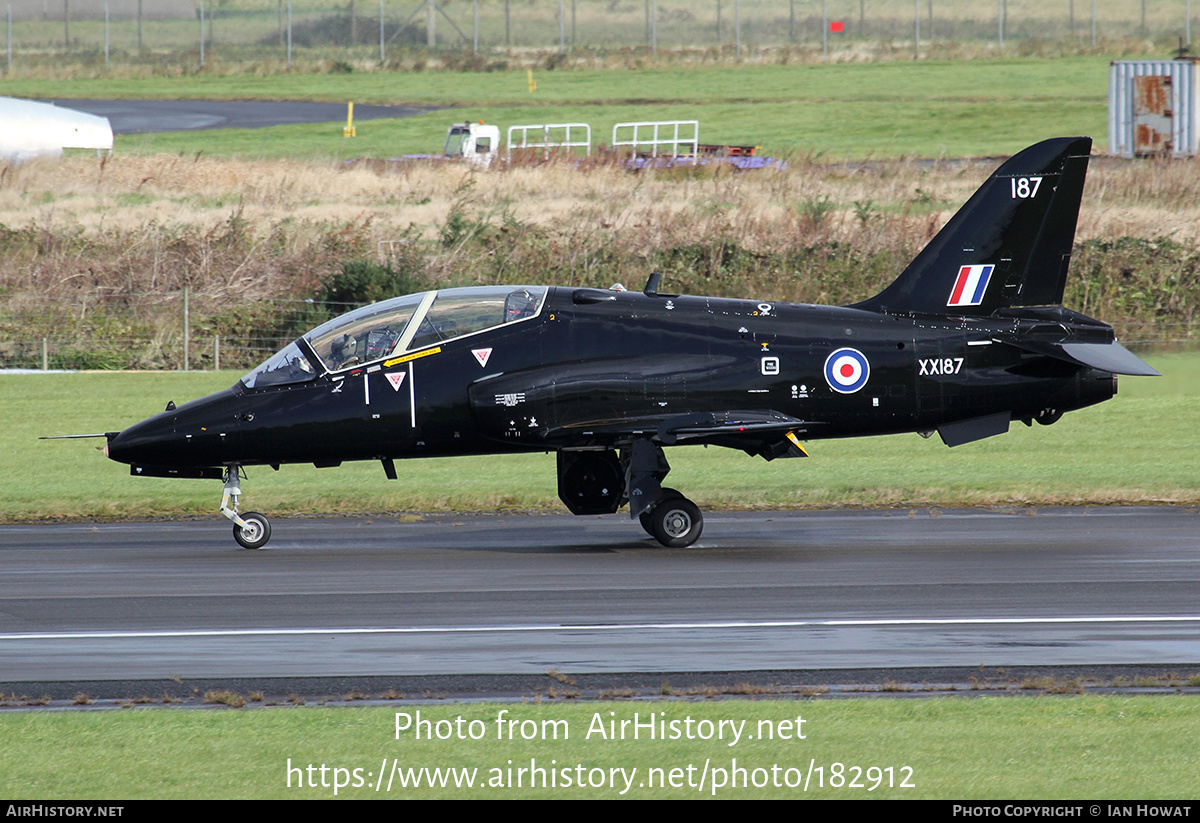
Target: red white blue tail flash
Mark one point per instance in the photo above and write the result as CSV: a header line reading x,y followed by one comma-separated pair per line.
x,y
970,286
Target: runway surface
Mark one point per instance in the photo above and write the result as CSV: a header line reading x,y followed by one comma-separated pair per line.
x,y
141,116
526,594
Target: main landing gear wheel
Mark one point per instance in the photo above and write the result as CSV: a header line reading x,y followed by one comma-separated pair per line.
x,y
256,532
677,522
646,518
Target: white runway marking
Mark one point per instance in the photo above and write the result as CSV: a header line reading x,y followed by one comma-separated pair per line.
x,y
602,627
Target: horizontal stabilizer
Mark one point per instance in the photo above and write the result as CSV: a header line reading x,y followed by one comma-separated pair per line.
x,y
1110,357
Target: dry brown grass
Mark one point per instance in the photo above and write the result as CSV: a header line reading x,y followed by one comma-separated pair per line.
x,y
136,194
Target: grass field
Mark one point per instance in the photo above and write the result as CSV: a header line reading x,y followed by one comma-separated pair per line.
x,y
1059,748
836,111
1140,447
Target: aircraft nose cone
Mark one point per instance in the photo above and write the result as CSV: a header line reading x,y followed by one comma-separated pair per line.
x,y
194,434
145,442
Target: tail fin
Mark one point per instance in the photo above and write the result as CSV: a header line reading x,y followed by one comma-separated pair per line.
x,y
1010,245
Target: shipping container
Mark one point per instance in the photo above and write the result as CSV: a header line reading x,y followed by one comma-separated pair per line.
x,y
1153,108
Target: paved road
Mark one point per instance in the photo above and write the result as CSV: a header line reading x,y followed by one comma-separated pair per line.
x,y
140,116
526,594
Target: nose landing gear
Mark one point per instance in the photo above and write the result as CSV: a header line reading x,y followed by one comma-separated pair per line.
x,y
251,530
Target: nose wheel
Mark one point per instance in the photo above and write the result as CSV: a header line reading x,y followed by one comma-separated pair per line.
x,y
251,530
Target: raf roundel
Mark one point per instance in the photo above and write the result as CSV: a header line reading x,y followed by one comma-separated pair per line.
x,y
847,370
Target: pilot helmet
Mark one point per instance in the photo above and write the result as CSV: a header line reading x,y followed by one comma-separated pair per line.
x,y
343,347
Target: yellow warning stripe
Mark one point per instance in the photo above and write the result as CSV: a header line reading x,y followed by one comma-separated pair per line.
x,y
397,360
796,442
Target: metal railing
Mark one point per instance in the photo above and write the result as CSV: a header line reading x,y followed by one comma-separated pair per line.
x,y
543,134
689,139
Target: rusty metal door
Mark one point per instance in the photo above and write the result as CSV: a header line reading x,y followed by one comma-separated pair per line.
x,y
1152,115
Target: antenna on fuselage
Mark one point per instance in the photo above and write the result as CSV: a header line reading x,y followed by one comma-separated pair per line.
x,y
651,289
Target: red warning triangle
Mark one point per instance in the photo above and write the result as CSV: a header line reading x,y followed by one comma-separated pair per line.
x,y
482,355
395,378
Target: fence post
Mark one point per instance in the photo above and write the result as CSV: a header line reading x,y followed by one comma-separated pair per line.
x,y
737,26
824,29
45,354
916,29
216,352
186,294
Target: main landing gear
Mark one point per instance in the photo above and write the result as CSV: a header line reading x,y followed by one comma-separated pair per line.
x,y
673,521
601,481
251,530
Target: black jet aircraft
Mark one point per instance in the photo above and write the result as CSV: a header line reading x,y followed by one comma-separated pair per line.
x,y
970,337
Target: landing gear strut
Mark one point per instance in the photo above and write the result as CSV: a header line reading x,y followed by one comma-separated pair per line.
x,y
600,481
251,530
665,514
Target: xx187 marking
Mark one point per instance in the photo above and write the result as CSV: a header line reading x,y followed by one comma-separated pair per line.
x,y
941,365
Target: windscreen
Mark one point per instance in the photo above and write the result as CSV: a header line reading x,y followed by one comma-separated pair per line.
x,y
363,335
289,365
454,142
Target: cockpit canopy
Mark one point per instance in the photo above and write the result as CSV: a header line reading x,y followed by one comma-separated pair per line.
x,y
392,327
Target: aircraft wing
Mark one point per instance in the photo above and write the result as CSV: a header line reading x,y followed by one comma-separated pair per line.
x,y
602,405
672,429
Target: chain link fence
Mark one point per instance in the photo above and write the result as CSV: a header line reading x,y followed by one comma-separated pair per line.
x,y
195,32
179,330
